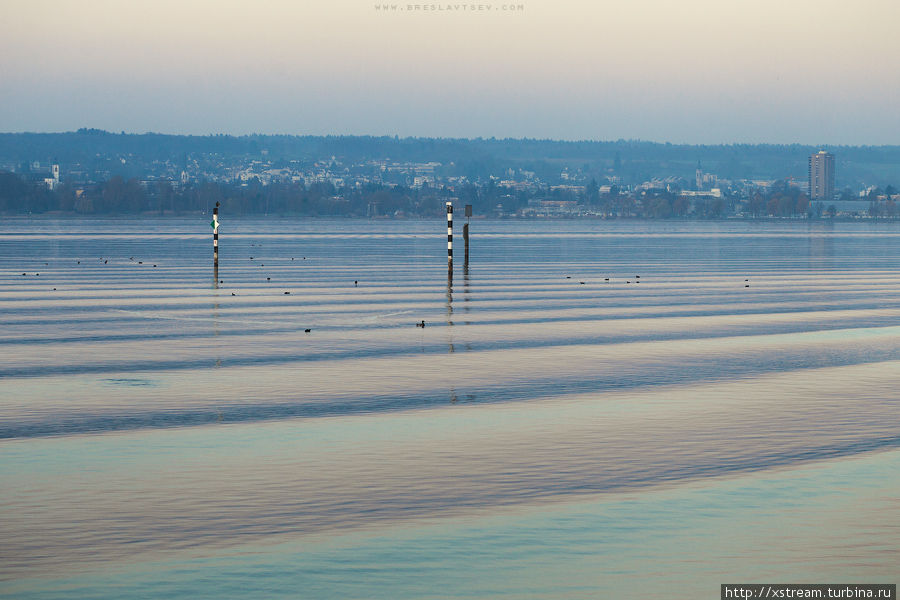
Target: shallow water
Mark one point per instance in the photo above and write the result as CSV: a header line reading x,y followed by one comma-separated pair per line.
x,y
549,433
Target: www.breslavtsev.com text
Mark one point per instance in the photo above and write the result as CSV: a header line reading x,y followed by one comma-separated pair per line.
x,y
450,7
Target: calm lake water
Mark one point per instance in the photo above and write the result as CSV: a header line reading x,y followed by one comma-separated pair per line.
x,y
592,410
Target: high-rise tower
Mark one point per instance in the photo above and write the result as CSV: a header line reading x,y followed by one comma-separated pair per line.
x,y
821,176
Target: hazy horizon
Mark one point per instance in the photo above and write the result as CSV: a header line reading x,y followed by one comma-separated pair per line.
x,y
695,72
453,138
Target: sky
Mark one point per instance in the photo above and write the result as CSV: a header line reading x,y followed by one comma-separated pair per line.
x,y
689,71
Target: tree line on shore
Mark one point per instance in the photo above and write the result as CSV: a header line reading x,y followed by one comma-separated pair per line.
x,y
119,196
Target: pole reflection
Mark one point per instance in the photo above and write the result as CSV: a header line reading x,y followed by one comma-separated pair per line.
x,y
449,305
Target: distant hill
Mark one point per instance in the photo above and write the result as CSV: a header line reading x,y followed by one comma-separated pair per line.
x,y
634,161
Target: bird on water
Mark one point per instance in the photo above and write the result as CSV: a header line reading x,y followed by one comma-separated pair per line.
x,y
421,324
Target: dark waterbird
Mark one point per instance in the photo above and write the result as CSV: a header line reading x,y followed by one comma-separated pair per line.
x,y
422,324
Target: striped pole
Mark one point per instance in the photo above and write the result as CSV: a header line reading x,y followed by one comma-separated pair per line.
x,y
449,234
215,226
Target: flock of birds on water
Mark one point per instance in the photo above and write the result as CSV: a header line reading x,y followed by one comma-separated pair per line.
x,y
637,279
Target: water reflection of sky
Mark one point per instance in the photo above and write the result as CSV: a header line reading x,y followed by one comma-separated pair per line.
x,y
539,437
832,521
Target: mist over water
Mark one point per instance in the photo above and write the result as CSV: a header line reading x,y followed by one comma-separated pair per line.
x,y
592,408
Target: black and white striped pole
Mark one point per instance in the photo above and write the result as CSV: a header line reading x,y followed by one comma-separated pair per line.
x,y
450,267
215,226
449,236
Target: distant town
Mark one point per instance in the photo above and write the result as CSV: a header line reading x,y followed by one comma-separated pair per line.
x,y
94,172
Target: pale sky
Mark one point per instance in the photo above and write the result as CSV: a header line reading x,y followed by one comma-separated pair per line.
x,y
688,71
